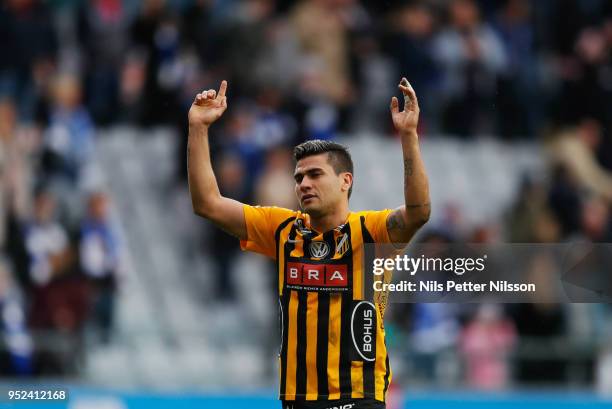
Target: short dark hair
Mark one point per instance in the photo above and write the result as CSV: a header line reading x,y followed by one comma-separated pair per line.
x,y
338,155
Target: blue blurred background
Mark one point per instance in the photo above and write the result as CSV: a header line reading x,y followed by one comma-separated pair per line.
x,y
110,285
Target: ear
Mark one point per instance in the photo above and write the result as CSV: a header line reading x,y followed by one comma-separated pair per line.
x,y
347,181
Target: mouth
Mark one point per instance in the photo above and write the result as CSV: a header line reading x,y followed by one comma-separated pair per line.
x,y
307,197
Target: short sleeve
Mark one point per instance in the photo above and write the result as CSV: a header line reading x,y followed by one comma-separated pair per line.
x,y
376,223
261,223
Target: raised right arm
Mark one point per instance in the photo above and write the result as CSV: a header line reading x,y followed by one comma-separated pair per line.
x,y
206,199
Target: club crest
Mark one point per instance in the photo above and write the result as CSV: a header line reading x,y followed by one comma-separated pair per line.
x,y
342,244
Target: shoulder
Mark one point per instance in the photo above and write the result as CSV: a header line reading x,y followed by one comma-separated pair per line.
x,y
271,215
375,223
369,214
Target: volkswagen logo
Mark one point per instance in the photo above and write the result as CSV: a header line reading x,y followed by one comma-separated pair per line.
x,y
319,249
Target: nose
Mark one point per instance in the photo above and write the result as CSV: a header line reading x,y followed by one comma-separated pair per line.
x,y
305,185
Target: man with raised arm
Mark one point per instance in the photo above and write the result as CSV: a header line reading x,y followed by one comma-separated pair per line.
x,y
333,351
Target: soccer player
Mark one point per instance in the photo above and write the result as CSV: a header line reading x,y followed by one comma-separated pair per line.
x,y
333,352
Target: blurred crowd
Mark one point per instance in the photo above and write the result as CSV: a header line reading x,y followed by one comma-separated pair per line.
x,y
59,249
297,70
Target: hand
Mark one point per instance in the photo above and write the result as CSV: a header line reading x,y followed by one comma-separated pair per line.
x,y
407,120
208,106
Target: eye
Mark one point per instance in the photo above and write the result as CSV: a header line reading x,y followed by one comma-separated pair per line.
x,y
298,178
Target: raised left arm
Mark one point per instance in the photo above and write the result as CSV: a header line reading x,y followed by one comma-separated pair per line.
x,y
406,220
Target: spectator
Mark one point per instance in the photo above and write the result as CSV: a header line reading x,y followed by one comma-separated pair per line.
x,y
275,186
518,82
584,91
576,149
323,38
58,300
485,343
199,31
596,220
471,58
16,358
155,34
435,329
46,241
16,166
103,34
247,43
24,68
565,201
410,44
224,248
100,258
69,140
532,220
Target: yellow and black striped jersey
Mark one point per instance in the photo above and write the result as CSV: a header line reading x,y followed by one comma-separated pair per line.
x,y
332,339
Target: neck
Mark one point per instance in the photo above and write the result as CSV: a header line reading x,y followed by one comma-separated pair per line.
x,y
330,220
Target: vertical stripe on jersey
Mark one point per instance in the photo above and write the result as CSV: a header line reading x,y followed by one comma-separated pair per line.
x,y
285,340
333,346
357,256
282,232
357,379
346,339
289,355
388,375
382,363
302,341
370,368
311,346
357,367
291,347
280,236
346,344
328,238
322,344
368,260
337,383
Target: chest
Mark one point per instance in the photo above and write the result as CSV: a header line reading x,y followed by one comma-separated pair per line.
x,y
323,263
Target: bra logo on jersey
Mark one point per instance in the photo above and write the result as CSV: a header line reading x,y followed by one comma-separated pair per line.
x,y
363,330
319,249
317,277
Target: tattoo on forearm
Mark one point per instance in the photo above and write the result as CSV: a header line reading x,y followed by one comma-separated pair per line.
x,y
396,220
407,167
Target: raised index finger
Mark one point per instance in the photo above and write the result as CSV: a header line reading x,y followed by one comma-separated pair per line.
x,y
222,89
410,98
